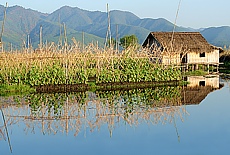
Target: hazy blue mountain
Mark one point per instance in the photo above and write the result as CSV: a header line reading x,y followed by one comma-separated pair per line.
x,y
51,33
22,22
159,24
72,17
19,23
219,36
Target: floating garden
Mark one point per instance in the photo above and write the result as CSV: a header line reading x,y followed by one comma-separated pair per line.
x,y
88,67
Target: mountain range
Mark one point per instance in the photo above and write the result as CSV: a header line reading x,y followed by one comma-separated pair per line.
x,y
21,23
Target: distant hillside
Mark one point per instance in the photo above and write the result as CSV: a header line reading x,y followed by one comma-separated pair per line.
x,y
219,36
19,23
22,22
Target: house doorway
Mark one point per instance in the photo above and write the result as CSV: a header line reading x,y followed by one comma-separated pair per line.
x,y
183,58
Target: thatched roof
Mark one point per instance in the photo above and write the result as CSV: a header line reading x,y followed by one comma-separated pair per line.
x,y
189,41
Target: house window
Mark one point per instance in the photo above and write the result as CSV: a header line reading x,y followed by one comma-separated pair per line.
x,y
202,83
202,54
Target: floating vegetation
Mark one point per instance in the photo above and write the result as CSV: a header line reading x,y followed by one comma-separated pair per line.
x,y
196,73
71,65
15,89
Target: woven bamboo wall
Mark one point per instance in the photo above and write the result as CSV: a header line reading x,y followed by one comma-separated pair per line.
x,y
210,58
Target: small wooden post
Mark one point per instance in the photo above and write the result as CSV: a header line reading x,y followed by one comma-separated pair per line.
x,y
83,40
40,44
28,41
197,67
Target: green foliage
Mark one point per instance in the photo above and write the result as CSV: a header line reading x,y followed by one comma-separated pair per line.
x,y
226,64
196,73
131,70
14,89
128,41
126,69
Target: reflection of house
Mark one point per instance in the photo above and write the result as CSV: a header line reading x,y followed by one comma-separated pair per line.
x,y
194,95
181,47
203,81
198,88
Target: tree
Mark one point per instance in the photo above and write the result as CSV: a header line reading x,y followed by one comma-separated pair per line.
x,y
128,40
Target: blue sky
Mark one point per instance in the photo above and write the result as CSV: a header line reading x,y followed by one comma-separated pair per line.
x,y
192,13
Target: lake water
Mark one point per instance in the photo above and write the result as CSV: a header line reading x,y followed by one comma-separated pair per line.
x,y
162,121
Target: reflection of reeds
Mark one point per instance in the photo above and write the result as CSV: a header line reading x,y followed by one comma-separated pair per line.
x,y
93,118
72,112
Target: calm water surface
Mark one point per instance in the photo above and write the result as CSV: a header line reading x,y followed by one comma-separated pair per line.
x,y
106,128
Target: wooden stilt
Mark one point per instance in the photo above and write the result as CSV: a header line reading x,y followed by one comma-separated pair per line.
x,y
197,67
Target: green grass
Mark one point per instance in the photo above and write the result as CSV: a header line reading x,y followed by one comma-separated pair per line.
x,y
225,68
14,89
196,73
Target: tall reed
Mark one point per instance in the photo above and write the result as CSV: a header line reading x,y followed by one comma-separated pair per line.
x,y
72,65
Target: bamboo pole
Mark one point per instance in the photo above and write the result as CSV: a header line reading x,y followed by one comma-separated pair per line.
x,y
41,43
3,23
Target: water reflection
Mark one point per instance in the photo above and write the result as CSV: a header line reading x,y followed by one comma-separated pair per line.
x,y
75,112
199,87
212,81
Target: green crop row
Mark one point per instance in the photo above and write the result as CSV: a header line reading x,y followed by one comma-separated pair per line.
x,y
127,70
77,67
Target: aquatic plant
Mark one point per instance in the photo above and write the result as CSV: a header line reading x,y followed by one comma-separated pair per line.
x,y
71,65
15,89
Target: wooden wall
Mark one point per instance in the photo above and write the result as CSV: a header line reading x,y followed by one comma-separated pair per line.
x,y
210,58
168,60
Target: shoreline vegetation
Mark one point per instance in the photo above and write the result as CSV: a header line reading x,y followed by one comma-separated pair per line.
x,y
89,66
225,59
74,68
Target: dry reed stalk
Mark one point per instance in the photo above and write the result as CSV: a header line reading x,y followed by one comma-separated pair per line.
x,y
73,59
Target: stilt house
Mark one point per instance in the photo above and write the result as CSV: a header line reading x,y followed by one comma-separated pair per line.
x,y
188,48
